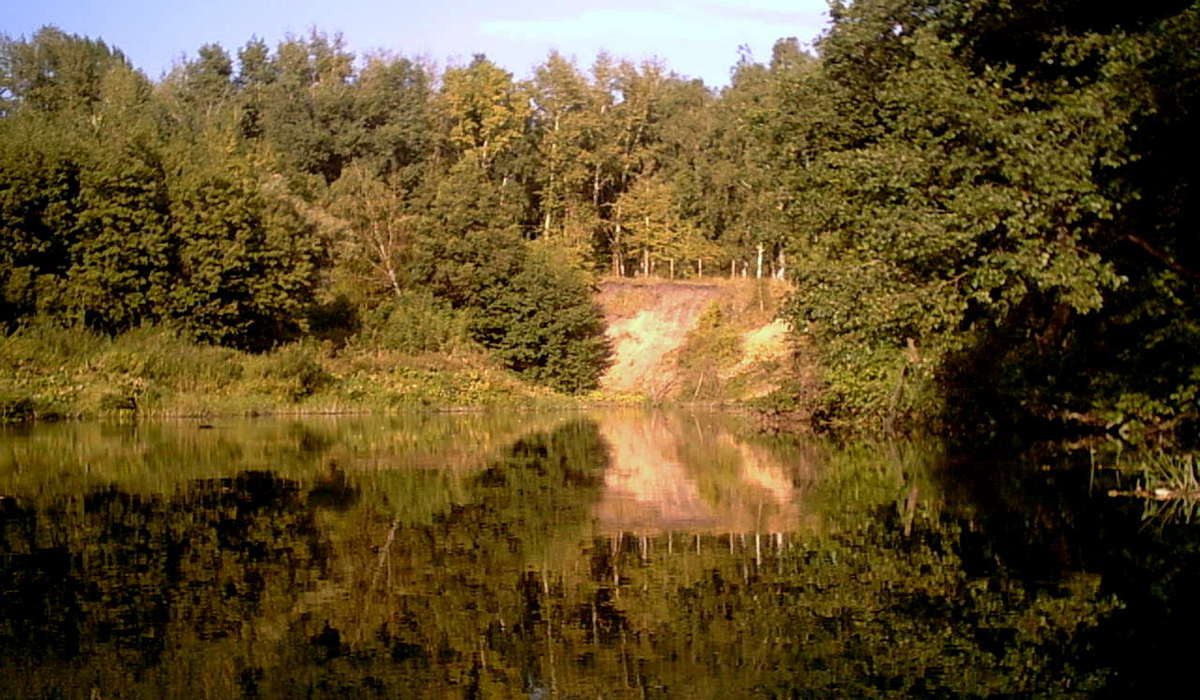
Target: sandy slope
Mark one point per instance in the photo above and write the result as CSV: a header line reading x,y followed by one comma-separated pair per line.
x,y
648,322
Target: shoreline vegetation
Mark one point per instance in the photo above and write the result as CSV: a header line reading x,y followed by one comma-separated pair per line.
x,y
49,372
55,373
985,214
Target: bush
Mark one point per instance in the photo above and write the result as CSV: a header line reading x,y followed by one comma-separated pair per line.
x,y
295,370
712,345
544,325
335,320
415,322
530,309
15,409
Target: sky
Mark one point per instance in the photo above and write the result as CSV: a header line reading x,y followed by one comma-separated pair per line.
x,y
696,39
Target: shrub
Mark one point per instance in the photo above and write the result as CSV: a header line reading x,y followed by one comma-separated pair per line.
x,y
530,309
335,320
15,408
414,322
295,370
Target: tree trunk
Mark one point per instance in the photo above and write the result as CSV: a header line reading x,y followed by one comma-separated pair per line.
x,y
618,263
672,268
391,273
550,186
758,273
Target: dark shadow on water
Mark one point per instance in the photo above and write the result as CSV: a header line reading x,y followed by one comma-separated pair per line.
x,y
626,555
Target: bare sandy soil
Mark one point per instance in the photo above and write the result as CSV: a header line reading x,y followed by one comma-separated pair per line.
x,y
646,322
649,321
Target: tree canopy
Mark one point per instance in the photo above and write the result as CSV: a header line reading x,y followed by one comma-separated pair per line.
x,y
980,206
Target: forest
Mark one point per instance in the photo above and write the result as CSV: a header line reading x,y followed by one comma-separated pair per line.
x,y
986,210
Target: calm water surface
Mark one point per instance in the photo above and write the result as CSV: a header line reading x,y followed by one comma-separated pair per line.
x,y
618,554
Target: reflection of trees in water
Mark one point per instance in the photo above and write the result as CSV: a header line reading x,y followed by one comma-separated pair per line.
x,y
70,458
1048,520
111,585
327,587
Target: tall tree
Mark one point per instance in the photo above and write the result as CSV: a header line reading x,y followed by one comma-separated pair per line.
x,y
961,199
378,229
303,104
245,261
393,103
483,115
54,72
565,130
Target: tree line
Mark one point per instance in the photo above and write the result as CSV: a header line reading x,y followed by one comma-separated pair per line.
x,y
979,205
296,190
995,212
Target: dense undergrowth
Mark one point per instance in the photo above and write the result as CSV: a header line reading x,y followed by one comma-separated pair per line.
x,y
49,372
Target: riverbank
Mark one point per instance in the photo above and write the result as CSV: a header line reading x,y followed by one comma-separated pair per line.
x,y
711,340
49,373
672,342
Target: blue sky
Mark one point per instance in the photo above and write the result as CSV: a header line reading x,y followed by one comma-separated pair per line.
x,y
697,39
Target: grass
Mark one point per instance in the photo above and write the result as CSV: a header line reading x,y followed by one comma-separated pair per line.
x,y
1168,485
48,372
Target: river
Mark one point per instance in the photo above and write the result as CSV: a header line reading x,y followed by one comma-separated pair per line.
x,y
621,553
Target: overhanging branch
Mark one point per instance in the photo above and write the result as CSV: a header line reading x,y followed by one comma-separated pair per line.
x,y
1161,256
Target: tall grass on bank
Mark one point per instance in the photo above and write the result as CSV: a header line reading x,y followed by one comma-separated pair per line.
x,y
713,363
49,372
1170,485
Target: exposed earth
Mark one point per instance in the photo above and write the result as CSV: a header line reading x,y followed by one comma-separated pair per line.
x,y
649,322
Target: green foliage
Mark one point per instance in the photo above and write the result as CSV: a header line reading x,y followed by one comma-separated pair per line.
x,y
961,212
415,322
235,199
73,372
535,314
246,260
376,233
294,370
334,320
712,346
483,112
545,325
47,372
112,223
54,71
985,210
970,201
38,207
120,272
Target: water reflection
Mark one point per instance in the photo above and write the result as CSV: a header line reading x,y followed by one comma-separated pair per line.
x,y
621,554
674,471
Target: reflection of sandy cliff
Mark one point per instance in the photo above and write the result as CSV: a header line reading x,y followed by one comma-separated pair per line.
x,y
669,473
